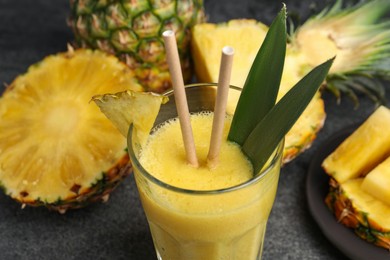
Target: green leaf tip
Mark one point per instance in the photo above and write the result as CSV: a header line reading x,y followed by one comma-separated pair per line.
x,y
261,87
270,131
258,124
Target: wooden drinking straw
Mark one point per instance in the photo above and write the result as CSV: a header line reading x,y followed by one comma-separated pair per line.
x,y
220,105
180,96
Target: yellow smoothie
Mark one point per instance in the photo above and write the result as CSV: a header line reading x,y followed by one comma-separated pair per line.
x,y
228,224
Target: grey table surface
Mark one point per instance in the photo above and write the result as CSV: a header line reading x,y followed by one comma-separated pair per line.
x,y
30,30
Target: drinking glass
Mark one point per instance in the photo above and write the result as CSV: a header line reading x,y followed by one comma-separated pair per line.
x,y
227,223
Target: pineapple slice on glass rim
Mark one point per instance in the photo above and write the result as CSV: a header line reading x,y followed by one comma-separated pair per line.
x,y
56,148
355,35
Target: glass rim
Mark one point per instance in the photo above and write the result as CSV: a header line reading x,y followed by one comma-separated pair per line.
x,y
134,160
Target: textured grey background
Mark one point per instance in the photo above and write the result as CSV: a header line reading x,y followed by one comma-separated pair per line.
x,y
30,30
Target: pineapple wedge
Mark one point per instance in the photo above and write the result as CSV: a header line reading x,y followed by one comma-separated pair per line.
x,y
357,209
377,182
129,107
362,150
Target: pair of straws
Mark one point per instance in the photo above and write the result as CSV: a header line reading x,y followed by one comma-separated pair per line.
x,y
182,106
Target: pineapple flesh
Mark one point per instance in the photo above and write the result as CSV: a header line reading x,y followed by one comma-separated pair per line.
x,y
377,182
354,30
246,37
129,107
56,148
132,31
362,150
209,39
360,179
357,35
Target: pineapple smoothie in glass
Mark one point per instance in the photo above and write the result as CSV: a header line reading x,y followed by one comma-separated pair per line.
x,y
202,213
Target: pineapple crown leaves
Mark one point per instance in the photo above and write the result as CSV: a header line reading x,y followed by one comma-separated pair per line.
x,y
351,83
362,34
272,121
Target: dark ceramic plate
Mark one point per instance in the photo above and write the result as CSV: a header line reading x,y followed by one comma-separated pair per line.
x,y
317,188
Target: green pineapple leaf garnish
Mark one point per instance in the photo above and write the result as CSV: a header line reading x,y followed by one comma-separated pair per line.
x,y
262,84
257,101
271,130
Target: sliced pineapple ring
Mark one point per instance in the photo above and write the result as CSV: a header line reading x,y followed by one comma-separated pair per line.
x,y
56,148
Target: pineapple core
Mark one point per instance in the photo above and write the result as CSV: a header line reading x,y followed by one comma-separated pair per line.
x,y
62,119
317,46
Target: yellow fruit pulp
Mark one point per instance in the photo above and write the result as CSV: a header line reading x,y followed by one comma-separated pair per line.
x,y
54,144
362,150
209,39
246,37
377,182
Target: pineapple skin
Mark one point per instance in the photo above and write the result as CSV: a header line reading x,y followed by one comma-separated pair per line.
x,y
358,36
132,31
350,215
98,192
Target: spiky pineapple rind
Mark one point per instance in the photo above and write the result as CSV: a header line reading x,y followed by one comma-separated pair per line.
x,y
97,192
132,31
347,214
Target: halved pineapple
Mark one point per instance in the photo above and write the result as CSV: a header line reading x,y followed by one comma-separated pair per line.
x,y
246,37
56,148
359,37
357,209
356,36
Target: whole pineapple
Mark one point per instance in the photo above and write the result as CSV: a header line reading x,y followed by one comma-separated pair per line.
x,y
131,29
